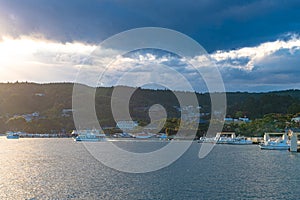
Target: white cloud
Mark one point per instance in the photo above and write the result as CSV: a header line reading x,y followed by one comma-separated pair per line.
x,y
29,59
246,58
40,60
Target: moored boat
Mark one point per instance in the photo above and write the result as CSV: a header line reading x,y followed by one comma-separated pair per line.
x,y
143,135
225,137
225,140
89,136
275,145
240,141
12,135
278,144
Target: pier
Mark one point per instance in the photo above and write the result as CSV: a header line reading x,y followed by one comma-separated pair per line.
x,y
293,136
294,141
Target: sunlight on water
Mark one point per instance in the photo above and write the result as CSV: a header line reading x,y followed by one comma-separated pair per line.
x,y
63,169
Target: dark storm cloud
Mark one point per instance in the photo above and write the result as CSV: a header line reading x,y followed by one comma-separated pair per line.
x,y
214,24
236,33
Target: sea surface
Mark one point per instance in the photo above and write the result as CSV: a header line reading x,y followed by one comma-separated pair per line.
x,y
63,169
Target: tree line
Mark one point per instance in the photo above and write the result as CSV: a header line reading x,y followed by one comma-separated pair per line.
x,y
268,111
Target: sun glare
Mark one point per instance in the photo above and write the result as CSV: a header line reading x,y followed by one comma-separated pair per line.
x,y
26,54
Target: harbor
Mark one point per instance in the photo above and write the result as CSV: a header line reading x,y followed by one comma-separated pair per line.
x,y
271,141
21,134
149,100
60,168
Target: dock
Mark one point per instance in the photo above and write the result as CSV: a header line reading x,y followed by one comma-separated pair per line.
x,y
294,142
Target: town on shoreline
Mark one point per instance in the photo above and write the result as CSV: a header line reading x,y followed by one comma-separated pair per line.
x,y
45,110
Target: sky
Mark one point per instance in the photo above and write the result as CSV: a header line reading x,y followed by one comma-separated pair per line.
x,y
255,44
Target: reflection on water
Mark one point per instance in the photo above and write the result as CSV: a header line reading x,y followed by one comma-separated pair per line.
x,y
63,169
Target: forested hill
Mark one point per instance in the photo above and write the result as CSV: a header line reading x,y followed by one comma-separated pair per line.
x,y
256,105
20,98
49,100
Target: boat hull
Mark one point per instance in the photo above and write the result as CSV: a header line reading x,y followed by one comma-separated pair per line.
x,y
142,137
241,143
12,137
77,139
263,147
89,136
87,140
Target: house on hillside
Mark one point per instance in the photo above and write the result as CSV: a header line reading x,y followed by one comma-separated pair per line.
x,y
67,112
244,119
228,120
39,94
29,117
296,119
127,125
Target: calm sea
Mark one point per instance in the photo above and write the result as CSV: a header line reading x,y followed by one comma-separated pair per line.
x,y
63,169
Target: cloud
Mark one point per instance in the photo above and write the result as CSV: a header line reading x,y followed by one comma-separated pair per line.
x,y
246,57
273,65
30,59
267,66
214,24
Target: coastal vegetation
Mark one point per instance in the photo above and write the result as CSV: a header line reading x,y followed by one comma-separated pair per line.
x,y
47,108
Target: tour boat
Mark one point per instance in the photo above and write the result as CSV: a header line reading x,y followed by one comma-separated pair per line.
x,y
208,140
279,144
143,135
89,136
240,141
225,140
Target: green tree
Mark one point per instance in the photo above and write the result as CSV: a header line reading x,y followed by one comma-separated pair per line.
x,y
239,114
294,108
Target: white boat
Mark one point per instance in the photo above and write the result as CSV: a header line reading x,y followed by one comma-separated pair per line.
x,y
225,140
240,141
90,136
143,135
225,137
125,135
207,140
279,144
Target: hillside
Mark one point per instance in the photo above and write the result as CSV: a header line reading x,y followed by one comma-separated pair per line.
x,y
17,100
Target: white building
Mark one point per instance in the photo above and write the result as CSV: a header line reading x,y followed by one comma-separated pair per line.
x,y
30,117
244,119
39,94
296,119
127,125
67,112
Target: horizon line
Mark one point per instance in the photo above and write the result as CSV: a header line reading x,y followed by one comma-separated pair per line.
x,y
160,89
